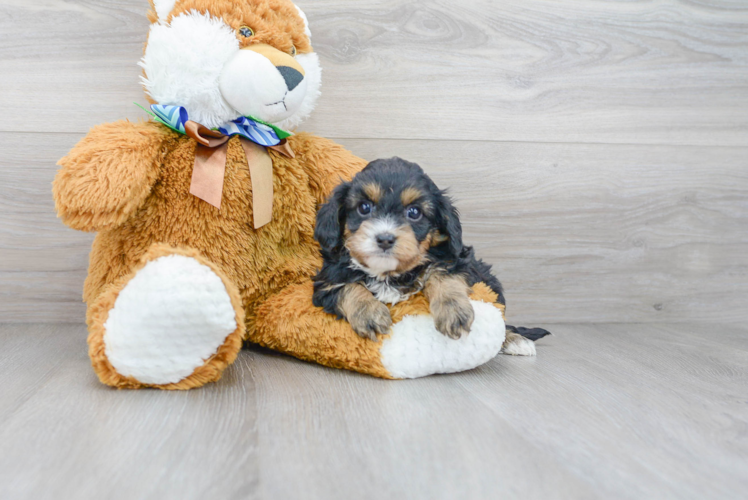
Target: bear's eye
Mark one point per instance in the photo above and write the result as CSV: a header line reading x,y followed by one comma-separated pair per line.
x,y
246,31
293,50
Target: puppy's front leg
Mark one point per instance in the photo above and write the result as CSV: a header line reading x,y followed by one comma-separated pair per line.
x,y
450,306
367,315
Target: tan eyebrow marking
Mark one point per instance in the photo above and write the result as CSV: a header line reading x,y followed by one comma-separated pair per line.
x,y
410,195
373,191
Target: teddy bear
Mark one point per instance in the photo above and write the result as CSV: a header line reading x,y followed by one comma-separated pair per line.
x,y
205,213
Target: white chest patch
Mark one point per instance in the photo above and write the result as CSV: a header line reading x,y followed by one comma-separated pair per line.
x,y
384,292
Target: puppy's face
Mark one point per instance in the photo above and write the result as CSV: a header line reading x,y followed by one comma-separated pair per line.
x,y
389,217
389,228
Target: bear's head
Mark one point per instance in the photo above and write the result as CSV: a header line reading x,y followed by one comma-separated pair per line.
x,y
223,59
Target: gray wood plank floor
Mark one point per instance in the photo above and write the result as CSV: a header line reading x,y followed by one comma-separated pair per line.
x,y
604,411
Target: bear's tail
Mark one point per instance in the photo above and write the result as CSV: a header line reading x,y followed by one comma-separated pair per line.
x,y
533,334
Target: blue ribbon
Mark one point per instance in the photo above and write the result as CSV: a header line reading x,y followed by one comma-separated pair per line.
x,y
260,133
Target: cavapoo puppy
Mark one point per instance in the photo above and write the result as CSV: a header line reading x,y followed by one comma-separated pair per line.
x,y
391,233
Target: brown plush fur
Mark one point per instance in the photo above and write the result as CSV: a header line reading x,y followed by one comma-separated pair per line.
x,y
260,262
142,197
288,322
275,22
110,173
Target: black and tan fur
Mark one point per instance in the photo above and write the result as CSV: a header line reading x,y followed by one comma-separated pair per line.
x,y
391,233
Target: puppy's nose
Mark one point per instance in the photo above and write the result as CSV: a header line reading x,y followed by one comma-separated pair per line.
x,y
386,240
291,76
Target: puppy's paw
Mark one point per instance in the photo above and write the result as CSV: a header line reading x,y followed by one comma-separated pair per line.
x,y
371,318
517,345
453,317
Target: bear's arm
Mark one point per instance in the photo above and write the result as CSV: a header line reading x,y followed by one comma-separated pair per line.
x,y
106,177
326,163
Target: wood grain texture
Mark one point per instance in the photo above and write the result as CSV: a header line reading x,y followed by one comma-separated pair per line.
x,y
604,411
503,104
42,262
576,232
64,434
523,70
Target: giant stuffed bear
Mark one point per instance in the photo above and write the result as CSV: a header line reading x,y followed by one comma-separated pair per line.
x,y
205,214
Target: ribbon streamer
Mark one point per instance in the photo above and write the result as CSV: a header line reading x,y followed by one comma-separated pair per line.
x,y
211,151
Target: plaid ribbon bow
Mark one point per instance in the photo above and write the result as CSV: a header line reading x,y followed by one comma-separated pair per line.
x,y
255,137
257,131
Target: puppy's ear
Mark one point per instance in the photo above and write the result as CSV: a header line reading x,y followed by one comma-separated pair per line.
x,y
448,219
328,230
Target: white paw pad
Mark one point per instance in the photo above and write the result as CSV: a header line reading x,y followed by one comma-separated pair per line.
x,y
169,319
417,349
520,346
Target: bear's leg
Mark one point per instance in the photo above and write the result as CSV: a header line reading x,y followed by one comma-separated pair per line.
x,y
175,322
289,322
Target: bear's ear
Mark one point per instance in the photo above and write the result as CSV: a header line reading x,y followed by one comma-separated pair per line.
x,y
162,8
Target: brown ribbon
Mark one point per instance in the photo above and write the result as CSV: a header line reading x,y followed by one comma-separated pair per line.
x,y
210,169
261,173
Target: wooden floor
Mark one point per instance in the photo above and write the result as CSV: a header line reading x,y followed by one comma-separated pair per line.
x,y
604,411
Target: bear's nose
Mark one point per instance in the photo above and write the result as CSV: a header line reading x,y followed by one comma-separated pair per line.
x,y
385,240
292,77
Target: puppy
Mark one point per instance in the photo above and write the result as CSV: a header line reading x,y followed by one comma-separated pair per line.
x,y
391,233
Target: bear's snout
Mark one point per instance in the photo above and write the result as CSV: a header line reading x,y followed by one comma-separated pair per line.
x,y
263,82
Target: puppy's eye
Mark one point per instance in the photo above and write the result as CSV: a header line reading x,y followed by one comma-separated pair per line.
x,y
364,208
293,50
246,31
414,213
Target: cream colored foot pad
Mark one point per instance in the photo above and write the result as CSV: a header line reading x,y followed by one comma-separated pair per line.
x,y
168,320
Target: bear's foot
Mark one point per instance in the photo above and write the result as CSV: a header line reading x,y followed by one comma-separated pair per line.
x,y
174,323
417,349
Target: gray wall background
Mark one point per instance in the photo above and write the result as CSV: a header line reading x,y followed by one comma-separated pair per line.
x,y
597,150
